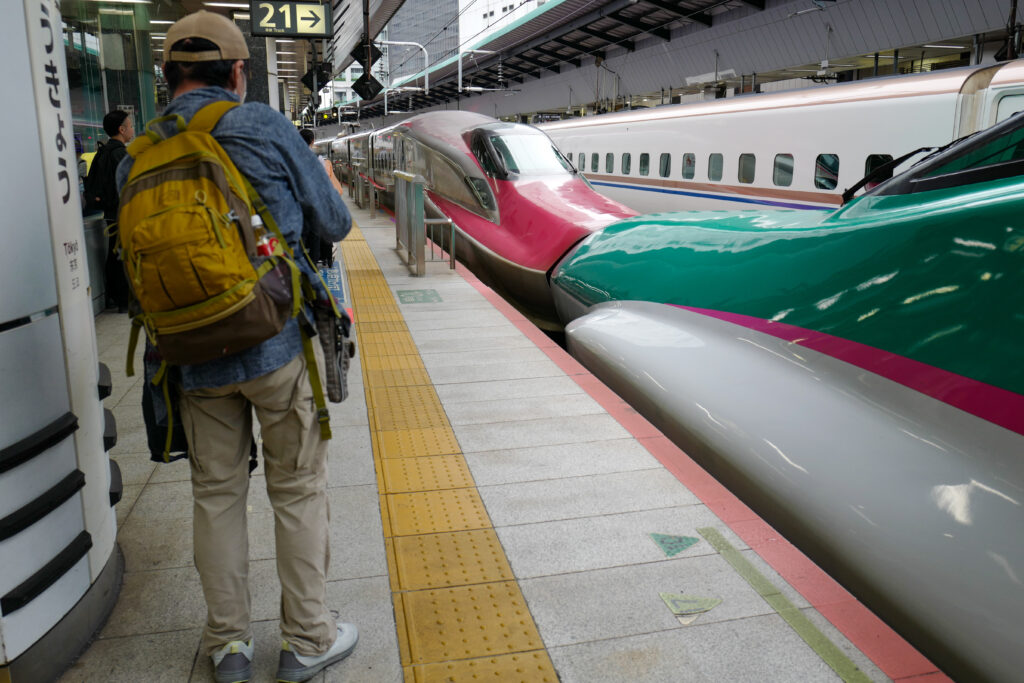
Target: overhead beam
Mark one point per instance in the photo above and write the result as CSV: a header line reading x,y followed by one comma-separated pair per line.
x,y
757,4
537,62
655,31
700,17
554,55
608,38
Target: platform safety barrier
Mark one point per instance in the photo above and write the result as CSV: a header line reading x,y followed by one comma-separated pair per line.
x,y
411,227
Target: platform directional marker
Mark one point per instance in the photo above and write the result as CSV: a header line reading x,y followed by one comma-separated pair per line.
x,y
418,296
673,545
687,608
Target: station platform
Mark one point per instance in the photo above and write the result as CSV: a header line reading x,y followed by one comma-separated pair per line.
x,y
496,514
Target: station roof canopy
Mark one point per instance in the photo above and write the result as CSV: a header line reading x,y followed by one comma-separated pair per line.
x,y
560,33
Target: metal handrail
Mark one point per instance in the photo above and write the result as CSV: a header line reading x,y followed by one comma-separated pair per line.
x,y
411,226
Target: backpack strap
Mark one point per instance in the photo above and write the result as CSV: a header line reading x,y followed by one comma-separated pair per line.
x,y
322,415
206,118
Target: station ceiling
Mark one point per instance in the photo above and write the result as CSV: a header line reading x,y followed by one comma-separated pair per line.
x,y
554,37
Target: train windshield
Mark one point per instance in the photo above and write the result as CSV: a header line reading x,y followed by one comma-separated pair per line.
x,y
529,154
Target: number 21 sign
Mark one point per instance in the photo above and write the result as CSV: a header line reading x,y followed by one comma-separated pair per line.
x,y
290,19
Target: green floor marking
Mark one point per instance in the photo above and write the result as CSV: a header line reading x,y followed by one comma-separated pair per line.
x,y
418,296
673,545
819,642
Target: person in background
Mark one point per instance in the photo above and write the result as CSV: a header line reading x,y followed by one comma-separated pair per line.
x,y
101,194
205,61
321,251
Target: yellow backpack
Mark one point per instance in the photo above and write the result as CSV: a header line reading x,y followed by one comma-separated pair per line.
x,y
209,278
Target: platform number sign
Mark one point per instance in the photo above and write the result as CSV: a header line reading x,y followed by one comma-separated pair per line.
x,y
290,19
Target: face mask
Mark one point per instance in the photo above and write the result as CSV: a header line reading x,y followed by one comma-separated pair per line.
x,y
244,88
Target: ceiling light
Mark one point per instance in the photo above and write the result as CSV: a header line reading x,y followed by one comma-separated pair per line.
x,y
122,12
160,21
285,53
947,47
158,37
280,62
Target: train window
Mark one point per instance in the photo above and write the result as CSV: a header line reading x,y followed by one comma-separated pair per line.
x,y
715,167
609,163
582,163
479,149
530,154
689,165
871,163
665,165
826,171
645,163
627,161
593,162
782,173
745,173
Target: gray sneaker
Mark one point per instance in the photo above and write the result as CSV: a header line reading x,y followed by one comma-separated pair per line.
x,y
233,662
294,668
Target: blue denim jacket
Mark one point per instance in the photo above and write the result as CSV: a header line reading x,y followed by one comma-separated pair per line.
x,y
269,151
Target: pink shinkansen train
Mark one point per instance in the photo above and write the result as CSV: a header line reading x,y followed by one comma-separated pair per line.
x,y
518,206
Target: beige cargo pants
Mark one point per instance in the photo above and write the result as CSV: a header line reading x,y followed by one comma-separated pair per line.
x,y
218,423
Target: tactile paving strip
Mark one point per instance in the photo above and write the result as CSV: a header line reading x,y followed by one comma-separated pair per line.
x,y
425,473
458,558
423,512
468,621
525,667
459,613
416,442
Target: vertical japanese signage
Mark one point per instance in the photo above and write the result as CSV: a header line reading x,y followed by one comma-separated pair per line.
x,y
49,82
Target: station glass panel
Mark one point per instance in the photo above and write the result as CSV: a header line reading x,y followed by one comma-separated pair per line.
x,y
593,162
645,163
689,165
609,163
665,165
826,171
745,173
782,172
715,164
627,160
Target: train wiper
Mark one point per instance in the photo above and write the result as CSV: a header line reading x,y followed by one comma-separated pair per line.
x,y
883,172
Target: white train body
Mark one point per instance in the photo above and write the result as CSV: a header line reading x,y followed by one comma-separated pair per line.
x,y
798,149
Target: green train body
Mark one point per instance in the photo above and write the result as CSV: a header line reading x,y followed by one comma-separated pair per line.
x,y
927,266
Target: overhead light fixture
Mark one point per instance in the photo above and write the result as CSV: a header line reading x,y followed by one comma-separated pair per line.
x,y
946,47
121,12
286,53
160,21
158,37
244,16
280,62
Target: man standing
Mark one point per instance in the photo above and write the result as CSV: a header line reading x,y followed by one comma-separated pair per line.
x,y
101,193
205,60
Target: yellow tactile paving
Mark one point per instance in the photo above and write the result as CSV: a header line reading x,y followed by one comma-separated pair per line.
x,y
416,442
467,621
459,614
430,473
406,377
423,512
524,667
406,362
458,558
